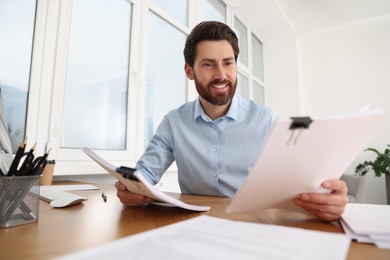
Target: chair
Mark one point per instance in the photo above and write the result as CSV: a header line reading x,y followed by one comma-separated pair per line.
x,y
355,186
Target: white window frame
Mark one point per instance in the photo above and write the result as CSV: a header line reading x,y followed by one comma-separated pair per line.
x,y
247,71
48,74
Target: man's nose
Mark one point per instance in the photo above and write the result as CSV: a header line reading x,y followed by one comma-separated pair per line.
x,y
219,72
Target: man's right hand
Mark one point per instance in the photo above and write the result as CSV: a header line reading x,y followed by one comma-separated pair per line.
x,y
129,198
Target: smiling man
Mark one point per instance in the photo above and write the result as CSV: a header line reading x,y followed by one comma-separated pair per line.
x,y
216,138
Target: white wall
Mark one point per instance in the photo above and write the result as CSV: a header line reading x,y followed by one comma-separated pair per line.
x,y
341,70
280,55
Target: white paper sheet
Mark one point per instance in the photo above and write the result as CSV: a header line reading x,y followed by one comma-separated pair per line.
x,y
368,219
297,161
213,238
69,187
142,186
367,223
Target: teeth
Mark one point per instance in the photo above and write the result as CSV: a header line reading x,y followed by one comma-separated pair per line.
x,y
219,86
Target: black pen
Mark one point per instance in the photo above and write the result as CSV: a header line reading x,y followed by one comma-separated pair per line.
x,y
40,163
27,163
104,196
15,163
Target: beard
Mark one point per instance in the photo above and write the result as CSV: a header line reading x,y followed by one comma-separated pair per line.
x,y
217,99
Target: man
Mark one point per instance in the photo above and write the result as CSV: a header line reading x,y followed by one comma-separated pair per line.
x,y
216,138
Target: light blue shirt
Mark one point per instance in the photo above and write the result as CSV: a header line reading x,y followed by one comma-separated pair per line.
x,y
212,157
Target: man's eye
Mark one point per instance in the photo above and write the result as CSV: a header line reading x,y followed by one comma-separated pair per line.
x,y
207,65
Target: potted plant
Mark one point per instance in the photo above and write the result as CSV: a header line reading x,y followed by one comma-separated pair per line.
x,y
380,166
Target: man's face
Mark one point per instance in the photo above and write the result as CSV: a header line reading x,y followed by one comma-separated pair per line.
x,y
214,72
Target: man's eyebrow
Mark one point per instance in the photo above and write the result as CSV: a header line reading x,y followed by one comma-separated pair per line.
x,y
229,59
214,60
207,60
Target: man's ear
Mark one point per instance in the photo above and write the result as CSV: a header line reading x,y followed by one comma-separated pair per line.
x,y
189,72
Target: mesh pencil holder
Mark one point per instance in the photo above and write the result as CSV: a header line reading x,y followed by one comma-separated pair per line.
x,y
19,200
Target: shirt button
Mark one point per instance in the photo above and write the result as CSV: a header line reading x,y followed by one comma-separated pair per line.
x,y
215,174
215,150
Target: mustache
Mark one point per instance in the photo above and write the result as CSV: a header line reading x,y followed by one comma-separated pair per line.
x,y
221,82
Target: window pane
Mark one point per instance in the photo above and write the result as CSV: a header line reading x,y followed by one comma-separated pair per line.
x,y
258,93
215,10
96,81
242,85
166,81
176,8
16,38
241,32
258,58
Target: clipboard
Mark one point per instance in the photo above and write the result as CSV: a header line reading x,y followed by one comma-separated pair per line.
x,y
299,154
136,182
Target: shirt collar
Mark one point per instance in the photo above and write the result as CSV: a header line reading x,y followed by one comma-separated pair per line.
x,y
232,112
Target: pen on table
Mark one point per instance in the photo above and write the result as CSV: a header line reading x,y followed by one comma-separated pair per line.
x,y
15,163
104,196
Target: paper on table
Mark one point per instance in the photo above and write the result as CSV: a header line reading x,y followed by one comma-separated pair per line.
x,y
367,223
368,219
297,161
349,232
69,187
208,237
142,186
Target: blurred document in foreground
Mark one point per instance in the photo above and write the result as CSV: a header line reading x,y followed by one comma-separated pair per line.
x,y
208,237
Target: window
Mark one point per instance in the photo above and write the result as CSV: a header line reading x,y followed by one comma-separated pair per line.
x,y
176,8
258,59
242,34
17,20
166,86
97,73
258,93
258,70
250,63
242,85
215,10
105,72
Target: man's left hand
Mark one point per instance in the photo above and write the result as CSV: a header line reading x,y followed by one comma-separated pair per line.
x,y
328,207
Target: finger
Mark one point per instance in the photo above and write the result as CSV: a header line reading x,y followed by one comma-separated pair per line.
x,y
324,211
325,216
340,199
337,186
132,199
120,186
334,209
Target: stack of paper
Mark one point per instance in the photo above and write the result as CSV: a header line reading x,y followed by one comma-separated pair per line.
x,y
368,223
207,237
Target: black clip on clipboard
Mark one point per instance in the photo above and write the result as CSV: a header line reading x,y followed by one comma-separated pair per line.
x,y
298,123
127,172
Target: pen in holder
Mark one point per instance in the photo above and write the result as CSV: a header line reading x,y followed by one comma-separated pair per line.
x,y
19,200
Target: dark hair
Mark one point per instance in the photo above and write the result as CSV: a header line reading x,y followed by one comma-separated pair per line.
x,y
209,31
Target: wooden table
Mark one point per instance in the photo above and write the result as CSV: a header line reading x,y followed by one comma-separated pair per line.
x,y
94,222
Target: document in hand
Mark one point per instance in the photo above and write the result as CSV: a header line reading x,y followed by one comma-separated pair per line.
x,y
141,186
300,154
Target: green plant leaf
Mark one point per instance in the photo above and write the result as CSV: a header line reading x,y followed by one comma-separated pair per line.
x,y
381,164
